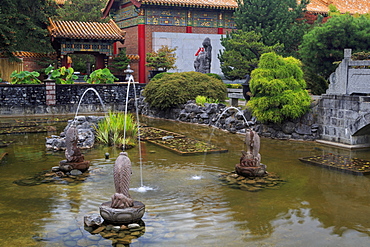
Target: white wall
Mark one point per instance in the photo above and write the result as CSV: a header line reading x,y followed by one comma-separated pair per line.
x,y
187,45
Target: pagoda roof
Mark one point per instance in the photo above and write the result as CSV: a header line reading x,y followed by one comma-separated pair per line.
x,y
343,6
86,30
216,4
315,6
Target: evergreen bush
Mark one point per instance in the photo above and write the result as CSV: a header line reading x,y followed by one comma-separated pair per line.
x,y
278,89
177,88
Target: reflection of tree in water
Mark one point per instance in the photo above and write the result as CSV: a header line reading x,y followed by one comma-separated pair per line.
x,y
341,201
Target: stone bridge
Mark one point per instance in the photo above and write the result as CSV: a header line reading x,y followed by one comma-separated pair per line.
x,y
344,111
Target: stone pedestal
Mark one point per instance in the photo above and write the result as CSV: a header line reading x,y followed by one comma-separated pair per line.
x,y
118,216
66,166
251,171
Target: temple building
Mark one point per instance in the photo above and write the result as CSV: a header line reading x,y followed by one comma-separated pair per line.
x,y
70,37
184,24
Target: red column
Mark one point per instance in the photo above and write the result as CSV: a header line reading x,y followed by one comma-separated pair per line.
x,y
189,29
141,52
220,30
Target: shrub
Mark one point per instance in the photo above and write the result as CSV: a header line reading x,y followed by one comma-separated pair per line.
x,y
110,130
214,75
61,75
201,100
25,77
101,76
164,58
278,89
160,75
177,88
235,86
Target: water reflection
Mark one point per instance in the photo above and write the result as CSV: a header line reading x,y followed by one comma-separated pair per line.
x,y
315,207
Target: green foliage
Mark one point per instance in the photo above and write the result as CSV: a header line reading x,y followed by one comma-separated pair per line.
x,y
160,75
201,100
23,26
324,44
61,75
235,86
214,75
277,21
81,62
278,89
177,88
101,76
111,129
164,58
241,54
82,10
120,62
25,77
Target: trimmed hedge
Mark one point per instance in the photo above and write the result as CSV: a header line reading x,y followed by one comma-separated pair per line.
x,y
170,90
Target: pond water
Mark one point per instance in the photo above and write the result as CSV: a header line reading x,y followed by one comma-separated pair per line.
x,y
314,207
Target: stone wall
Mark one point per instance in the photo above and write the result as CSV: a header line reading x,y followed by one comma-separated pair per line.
x,y
32,99
345,118
235,120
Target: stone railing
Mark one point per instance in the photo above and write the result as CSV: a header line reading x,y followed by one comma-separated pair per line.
x,y
351,77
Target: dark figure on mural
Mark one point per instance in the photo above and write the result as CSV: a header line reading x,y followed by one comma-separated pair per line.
x,y
203,60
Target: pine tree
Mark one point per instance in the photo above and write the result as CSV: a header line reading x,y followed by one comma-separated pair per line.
x,y
241,54
82,10
278,21
23,25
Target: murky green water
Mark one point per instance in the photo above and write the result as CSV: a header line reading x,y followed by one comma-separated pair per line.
x,y
315,207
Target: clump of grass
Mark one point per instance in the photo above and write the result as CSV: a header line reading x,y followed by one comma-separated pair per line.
x,y
111,130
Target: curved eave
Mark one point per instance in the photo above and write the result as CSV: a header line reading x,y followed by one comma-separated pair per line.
x,y
185,5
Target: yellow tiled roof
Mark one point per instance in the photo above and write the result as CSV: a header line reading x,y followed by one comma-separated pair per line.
x,y
60,2
221,4
350,6
315,6
86,30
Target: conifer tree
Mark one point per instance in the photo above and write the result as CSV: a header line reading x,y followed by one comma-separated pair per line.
x,y
23,25
82,10
278,21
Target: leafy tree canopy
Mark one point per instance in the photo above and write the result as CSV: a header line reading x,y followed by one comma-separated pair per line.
x,y
241,54
278,21
23,25
325,43
82,10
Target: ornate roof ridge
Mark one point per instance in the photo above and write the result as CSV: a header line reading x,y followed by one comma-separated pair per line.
x,y
86,30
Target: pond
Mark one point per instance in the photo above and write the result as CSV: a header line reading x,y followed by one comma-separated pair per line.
x,y
313,207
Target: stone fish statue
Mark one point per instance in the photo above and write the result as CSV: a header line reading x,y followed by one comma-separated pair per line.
x,y
74,158
250,162
122,176
73,153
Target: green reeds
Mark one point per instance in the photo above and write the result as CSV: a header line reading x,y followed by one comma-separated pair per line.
x,y
111,130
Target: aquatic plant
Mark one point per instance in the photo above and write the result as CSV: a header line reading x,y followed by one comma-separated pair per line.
x,y
25,77
111,129
101,76
61,75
